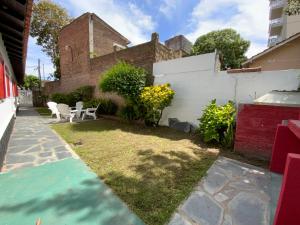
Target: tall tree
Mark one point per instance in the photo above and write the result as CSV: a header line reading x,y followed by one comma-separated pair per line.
x,y
228,42
293,7
48,18
31,81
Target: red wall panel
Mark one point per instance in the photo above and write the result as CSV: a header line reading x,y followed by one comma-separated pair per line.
x,y
2,80
256,128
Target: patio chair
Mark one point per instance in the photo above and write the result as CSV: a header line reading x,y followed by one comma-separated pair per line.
x,y
90,112
65,112
52,106
79,108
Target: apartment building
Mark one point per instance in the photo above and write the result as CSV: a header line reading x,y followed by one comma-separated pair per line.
x,y
281,25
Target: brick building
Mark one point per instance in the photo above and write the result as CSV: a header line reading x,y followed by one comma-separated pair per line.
x,y
88,46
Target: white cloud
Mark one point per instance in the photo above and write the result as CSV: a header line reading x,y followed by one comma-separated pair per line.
x,y
168,7
249,18
128,19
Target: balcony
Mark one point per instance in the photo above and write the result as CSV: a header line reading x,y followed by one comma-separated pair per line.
x,y
275,4
273,40
276,22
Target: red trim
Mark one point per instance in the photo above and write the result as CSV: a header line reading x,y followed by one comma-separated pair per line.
x,y
2,80
7,86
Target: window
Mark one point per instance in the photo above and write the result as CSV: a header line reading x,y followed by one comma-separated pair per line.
x,y
2,80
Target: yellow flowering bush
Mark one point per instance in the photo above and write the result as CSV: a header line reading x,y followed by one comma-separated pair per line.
x,y
155,99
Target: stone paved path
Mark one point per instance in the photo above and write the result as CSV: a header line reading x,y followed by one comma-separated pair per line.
x,y
232,193
33,143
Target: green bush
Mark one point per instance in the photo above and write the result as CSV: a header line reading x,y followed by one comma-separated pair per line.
x,y
84,93
106,106
130,112
217,123
60,98
156,99
124,79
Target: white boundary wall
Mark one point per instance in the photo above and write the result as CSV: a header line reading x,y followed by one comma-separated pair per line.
x,y
196,82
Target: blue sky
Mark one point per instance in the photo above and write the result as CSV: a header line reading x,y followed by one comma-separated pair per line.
x,y
137,19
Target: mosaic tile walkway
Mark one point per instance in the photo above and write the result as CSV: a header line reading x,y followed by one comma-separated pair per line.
x,y
232,193
33,143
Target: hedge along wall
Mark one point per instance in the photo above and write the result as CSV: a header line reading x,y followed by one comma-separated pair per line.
x,y
197,81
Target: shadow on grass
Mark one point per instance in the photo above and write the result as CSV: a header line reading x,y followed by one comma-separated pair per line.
x,y
161,183
91,203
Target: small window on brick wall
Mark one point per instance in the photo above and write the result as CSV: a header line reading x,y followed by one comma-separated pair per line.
x,y
2,80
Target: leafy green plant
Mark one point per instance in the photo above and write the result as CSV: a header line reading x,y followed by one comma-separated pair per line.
x,y
217,123
31,81
60,98
228,42
130,112
156,99
124,79
84,93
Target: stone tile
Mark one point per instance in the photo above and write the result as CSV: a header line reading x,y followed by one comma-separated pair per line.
x,y
248,209
214,181
63,155
14,158
220,197
19,148
202,209
61,149
227,220
177,219
33,143
45,154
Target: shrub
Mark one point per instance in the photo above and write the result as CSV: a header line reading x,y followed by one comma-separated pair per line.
x,y
106,106
130,112
217,123
124,79
84,93
60,98
155,99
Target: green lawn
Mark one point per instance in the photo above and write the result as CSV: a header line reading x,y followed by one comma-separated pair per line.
x,y
43,111
152,169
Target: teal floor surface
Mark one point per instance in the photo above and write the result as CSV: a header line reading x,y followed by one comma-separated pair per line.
x,y
60,193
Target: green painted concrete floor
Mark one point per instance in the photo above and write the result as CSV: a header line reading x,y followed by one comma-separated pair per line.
x,y
65,192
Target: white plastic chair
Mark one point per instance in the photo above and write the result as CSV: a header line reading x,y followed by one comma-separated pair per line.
x,y
65,112
53,108
78,108
90,112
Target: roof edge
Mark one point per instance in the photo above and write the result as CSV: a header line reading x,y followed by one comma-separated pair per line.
x,y
266,51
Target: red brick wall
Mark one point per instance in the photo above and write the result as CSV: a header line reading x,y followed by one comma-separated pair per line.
x,y
104,38
256,128
78,69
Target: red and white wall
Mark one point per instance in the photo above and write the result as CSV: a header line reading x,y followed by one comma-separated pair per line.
x,y
8,90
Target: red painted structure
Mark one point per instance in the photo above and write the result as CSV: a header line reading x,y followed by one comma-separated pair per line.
x,y
286,160
287,141
257,125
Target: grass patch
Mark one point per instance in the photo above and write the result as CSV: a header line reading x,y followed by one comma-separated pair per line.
x,y
43,111
152,169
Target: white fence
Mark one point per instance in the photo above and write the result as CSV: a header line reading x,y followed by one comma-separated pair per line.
x,y
196,82
25,97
